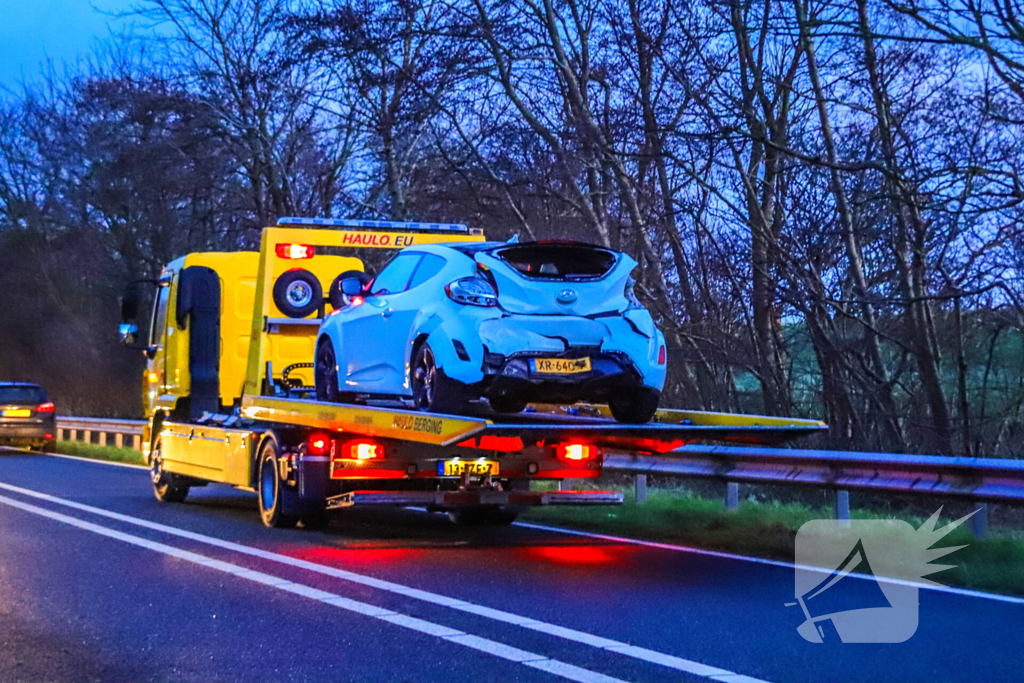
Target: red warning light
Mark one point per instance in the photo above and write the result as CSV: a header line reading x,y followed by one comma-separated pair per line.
x,y
318,444
294,251
576,452
363,450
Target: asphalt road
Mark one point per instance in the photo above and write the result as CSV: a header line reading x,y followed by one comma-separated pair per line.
x,y
101,582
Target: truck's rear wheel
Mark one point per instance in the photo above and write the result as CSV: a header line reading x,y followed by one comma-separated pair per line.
x,y
276,504
167,487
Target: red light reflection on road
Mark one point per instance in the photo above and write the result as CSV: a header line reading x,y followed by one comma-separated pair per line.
x,y
350,555
576,555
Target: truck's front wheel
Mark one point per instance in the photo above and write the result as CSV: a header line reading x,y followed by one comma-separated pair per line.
x,y
167,487
275,499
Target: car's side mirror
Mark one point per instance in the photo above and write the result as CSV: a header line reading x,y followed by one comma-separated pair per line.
x,y
129,333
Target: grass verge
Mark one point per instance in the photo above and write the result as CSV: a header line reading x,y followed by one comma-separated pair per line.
x,y
768,530
97,452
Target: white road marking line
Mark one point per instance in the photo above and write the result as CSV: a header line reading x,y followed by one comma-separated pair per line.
x,y
966,592
485,645
953,590
598,642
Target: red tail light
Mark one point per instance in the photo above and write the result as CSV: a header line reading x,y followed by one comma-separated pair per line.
x,y
294,251
45,408
362,450
577,452
661,356
48,436
318,444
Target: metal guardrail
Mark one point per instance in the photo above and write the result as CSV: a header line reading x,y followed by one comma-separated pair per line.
x,y
977,480
68,429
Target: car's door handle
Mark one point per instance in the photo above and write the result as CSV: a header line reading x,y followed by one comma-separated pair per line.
x,y
387,312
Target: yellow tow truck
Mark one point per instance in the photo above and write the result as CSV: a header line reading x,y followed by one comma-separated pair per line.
x,y
229,397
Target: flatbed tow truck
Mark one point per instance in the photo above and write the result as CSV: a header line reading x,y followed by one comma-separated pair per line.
x,y
229,399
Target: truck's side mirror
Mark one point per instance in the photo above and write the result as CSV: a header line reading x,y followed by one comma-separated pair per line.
x,y
130,304
129,333
351,286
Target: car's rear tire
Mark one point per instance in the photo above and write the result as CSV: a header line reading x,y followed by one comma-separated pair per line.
x,y
276,501
167,487
634,407
507,404
432,390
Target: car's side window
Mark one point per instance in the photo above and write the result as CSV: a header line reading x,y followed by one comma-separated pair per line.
x,y
430,266
396,275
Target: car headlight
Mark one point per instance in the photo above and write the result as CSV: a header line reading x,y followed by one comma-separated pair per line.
x,y
472,291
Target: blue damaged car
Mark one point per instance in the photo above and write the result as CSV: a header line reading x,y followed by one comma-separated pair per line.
x,y
445,325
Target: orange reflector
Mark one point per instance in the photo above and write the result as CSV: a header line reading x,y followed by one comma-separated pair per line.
x,y
577,451
363,450
153,378
294,251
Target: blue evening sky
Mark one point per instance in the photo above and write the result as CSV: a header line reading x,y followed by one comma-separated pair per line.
x,y
32,30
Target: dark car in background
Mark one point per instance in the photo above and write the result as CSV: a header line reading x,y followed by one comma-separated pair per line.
x,y
27,417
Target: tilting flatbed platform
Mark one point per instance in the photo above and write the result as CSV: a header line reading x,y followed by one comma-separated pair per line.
x,y
549,424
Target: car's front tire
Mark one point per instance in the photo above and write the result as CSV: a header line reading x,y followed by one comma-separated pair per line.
x,y
432,390
325,375
634,407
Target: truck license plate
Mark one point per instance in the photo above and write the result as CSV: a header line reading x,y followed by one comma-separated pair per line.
x,y
455,468
17,413
560,366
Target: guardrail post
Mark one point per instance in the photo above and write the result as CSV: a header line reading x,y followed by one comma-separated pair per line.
x,y
979,522
119,440
732,495
74,435
87,436
62,434
641,488
103,438
136,442
842,507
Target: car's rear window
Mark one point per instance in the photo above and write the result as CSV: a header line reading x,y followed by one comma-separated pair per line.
x,y
559,261
22,395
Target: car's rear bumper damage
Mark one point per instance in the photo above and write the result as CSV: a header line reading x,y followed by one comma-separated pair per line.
x,y
512,378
